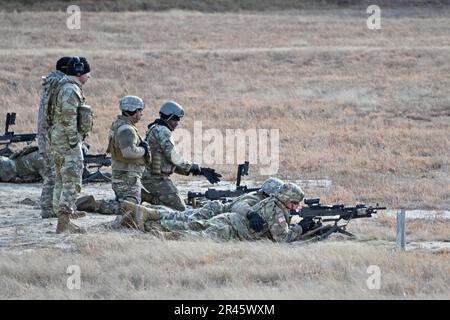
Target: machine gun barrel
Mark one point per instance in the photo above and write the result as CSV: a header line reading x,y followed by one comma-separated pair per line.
x,y
314,209
10,137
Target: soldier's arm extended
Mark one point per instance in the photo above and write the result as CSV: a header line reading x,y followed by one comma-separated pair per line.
x,y
168,149
70,100
279,227
128,143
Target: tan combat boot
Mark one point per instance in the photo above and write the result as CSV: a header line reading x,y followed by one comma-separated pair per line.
x,y
78,214
139,214
65,226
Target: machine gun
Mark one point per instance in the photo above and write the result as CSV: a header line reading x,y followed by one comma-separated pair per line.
x,y
314,212
95,161
10,137
223,195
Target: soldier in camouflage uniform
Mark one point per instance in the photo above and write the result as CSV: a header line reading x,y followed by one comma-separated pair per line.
x,y
24,166
181,220
159,188
129,153
241,205
71,123
273,213
48,86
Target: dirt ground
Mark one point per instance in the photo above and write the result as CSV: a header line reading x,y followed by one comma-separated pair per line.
x,y
35,262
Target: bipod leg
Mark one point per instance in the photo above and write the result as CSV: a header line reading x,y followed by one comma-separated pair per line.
x,y
341,230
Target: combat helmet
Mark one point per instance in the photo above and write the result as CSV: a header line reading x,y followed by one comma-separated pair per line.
x,y
170,109
289,192
131,103
271,185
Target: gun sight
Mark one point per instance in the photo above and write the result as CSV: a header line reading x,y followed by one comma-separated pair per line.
x,y
10,120
311,201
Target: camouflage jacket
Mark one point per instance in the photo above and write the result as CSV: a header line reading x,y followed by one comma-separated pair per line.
x,y
22,166
277,217
66,103
48,85
243,203
124,141
165,159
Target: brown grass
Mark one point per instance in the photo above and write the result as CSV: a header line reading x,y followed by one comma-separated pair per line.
x,y
365,109
117,266
210,5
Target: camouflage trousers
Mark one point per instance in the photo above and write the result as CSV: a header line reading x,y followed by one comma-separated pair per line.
x,y
223,227
162,191
90,204
48,176
185,220
68,177
127,185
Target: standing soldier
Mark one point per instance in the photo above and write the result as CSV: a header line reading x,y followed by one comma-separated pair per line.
x,y
166,160
72,122
48,86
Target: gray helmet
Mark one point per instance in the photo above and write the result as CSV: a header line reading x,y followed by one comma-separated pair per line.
x,y
170,109
271,185
289,192
131,103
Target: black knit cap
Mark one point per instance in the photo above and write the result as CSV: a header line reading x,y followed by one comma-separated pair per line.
x,y
61,64
87,67
77,66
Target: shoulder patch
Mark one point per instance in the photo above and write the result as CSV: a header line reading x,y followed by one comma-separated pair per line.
x,y
281,219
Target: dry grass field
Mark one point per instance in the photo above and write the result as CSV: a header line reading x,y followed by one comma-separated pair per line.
x,y
139,266
368,110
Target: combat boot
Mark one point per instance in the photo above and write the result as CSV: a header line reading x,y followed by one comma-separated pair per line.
x,y
139,214
86,203
47,214
65,226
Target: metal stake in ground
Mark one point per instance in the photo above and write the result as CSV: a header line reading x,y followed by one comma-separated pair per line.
x,y
401,240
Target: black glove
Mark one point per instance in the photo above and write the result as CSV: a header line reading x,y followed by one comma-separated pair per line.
x,y
144,144
210,174
195,169
255,220
307,224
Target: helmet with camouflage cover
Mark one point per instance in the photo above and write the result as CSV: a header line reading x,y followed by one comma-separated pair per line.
x,y
289,192
131,103
170,109
271,185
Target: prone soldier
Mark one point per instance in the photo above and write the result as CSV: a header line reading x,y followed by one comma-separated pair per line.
x,y
268,219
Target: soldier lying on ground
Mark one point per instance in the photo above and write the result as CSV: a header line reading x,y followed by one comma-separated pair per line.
x,y
24,166
241,204
268,219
